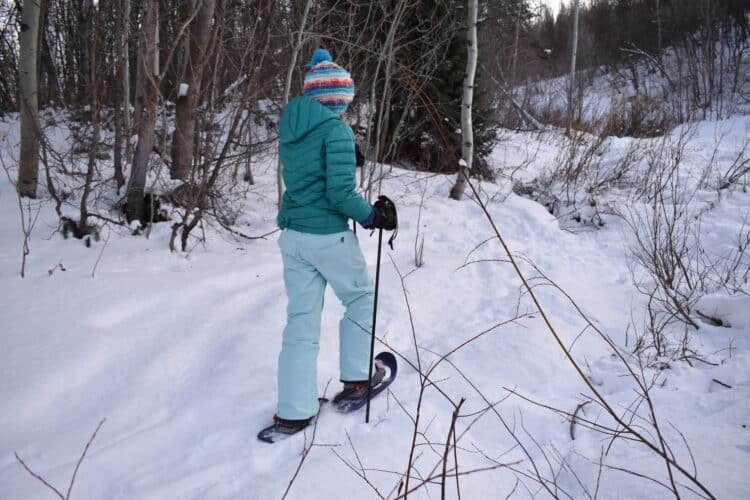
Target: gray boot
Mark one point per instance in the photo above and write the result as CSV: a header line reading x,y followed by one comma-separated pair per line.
x,y
287,426
358,389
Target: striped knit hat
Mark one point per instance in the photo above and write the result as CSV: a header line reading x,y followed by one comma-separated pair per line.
x,y
328,83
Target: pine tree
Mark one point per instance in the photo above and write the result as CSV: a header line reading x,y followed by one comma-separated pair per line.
x,y
430,136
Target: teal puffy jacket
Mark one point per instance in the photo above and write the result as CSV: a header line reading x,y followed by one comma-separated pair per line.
x,y
317,154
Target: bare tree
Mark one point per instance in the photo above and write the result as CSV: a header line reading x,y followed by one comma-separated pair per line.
x,y
467,131
516,32
385,98
9,16
288,86
126,122
573,55
189,92
149,83
95,127
221,135
28,172
658,30
122,91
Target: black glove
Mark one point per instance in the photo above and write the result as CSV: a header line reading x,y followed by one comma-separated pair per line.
x,y
385,214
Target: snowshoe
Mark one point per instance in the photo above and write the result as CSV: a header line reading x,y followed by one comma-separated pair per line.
x,y
354,395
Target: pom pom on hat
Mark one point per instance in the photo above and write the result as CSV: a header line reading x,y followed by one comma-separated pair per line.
x,y
328,83
319,55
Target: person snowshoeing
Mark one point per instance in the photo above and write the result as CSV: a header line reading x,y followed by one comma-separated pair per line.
x,y
317,151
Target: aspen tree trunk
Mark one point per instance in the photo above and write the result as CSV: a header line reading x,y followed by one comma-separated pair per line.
x,y
573,54
467,131
95,127
121,106
288,88
126,118
82,40
118,120
658,31
28,72
149,85
248,177
709,55
515,47
47,65
184,135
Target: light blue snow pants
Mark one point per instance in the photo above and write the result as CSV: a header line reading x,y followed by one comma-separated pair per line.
x,y
310,262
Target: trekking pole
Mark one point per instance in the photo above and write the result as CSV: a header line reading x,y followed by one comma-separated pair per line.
x,y
374,319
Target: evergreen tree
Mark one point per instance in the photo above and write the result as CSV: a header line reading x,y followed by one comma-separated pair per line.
x,y
429,134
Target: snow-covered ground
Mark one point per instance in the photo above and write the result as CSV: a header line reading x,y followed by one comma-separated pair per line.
x,y
178,352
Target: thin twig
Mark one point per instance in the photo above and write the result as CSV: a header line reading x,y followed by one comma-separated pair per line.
x,y
573,419
361,471
451,432
106,241
721,383
83,455
38,477
243,235
75,471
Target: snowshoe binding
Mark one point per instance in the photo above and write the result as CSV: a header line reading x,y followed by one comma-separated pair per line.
x,y
356,390
283,428
354,395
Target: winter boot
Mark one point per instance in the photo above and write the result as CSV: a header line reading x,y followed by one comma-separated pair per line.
x,y
356,390
286,426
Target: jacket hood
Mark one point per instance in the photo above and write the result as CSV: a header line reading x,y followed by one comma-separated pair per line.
x,y
301,116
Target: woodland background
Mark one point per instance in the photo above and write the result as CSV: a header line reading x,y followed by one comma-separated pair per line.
x,y
197,86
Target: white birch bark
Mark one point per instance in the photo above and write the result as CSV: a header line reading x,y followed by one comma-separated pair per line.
x,y
288,88
467,130
28,69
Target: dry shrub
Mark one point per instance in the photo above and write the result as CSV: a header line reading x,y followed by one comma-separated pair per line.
x,y
638,116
